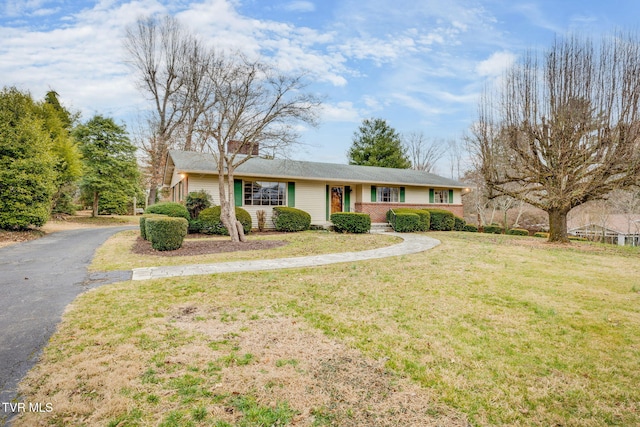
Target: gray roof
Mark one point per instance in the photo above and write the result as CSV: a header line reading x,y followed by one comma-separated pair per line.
x,y
204,163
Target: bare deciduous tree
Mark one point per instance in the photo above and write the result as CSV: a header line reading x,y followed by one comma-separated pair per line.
x,y
156,51
567,126
424,153
250,105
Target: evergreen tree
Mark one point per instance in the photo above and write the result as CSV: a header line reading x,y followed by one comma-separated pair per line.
x,y
58,122
110,168
27,172
378,144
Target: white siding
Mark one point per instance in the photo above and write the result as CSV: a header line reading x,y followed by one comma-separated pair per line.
x,y
311,197
416,195
208,183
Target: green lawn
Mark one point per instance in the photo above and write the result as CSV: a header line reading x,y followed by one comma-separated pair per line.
x,y
496,330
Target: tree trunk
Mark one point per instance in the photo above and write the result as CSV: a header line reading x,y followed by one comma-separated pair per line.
x,y
227,205
153,191
558,225
96,198
240,230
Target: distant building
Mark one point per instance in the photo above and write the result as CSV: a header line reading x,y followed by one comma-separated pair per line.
x,y
620,229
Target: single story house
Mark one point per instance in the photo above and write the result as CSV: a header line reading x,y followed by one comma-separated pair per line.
x,y
317,188
621,229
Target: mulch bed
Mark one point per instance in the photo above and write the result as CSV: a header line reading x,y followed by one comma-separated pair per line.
x,y
203,247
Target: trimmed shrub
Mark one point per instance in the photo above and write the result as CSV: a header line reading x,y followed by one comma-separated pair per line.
x,y
493,229
407,222
470,228
169,209
166,233
541,234
518,232
459,223
195,226
196,202
143,229
441,220
351,222
210,222
424,215
290,219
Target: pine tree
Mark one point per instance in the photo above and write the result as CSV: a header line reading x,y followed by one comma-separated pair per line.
x,y
378,144
110,168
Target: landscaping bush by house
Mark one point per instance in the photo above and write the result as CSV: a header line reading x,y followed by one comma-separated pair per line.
x,y
407,222
290,219
196,202
493,229
169,209
441,220
166,233
518,232
470,228
541,234
351,222
143,218
424,216
210,221
195,226
459,223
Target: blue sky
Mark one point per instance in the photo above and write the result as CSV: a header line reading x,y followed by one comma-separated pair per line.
x,y
419,64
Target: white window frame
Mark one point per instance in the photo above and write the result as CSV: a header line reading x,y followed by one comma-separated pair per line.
x,y
261,193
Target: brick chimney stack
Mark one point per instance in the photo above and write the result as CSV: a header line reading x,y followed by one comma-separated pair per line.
x,y
242,148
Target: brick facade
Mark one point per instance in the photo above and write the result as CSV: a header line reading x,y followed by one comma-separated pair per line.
x,y
378,211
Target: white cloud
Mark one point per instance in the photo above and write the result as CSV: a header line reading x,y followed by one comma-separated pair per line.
x,y
339,112
300,6
496,64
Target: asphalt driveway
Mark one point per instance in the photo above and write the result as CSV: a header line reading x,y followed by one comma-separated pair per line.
x,y
38,279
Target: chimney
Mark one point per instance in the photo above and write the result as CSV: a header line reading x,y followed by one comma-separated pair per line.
x,y
242,148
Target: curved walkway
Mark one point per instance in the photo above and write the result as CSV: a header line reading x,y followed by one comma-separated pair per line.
x,y
412,243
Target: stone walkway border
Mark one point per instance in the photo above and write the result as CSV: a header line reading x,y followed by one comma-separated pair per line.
x,y
412,243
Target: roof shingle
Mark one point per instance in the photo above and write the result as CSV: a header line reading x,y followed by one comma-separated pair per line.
x,y
193,162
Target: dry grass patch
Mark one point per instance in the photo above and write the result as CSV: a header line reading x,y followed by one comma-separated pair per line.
x,y
117,253
8,238
219,366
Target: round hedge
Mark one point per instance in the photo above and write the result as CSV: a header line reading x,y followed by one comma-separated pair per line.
x,y
210,222
169,209
290,219
143,228
166,233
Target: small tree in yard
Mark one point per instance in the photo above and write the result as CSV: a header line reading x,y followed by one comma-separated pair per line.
x,y
565,128
109,160
249,105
